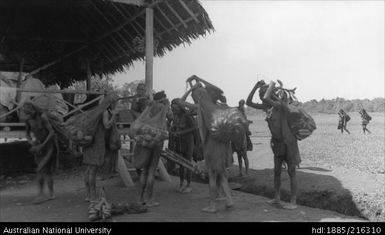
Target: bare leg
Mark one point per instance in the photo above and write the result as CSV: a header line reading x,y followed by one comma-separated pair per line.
x,y
246,160
87,184
92,182
151,177
181,178
277,181
226,189
213,193
49,180
239,155
40,186
293,188
188,188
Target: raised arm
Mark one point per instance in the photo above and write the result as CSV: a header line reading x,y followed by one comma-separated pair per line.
x,y
267,97
249,101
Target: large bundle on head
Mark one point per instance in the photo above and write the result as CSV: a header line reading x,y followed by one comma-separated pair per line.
x,y
300,122
81,128
223,123
150,128
228,125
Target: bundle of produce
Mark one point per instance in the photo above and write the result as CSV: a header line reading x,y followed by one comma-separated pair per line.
x,y
228,125
82,127
301,123
224,123
150,129
100,209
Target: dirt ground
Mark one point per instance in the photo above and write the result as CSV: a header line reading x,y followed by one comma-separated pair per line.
x,y
69,205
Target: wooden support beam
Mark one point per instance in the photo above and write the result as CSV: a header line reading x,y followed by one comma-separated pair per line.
x,y
165,16
19,79
189,10
102,36
176,14
149,50
88,81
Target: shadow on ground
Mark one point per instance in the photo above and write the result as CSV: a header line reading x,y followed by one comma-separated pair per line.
x,y
314,189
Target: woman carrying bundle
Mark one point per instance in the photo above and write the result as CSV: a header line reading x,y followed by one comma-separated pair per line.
x,y
365,120
100,151
343,121
182,130
217,154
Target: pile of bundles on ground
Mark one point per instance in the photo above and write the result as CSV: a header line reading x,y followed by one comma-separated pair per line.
x,y
101,209
300,122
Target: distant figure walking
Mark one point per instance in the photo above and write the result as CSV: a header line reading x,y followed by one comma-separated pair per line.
x,y
344,118
365,120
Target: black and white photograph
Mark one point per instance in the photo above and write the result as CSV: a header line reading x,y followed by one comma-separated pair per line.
x,y
192,111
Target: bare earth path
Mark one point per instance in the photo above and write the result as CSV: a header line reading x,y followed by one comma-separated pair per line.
x,y
70,206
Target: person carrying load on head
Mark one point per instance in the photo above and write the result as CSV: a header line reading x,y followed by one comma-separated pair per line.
x,y
149,131
41,136
287,124
365,120
248,146
182,130
102,152
343,121
219,125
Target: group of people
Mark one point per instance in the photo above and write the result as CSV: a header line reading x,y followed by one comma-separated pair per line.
x,y
189,136
344,118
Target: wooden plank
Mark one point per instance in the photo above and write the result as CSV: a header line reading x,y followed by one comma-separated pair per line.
x,y
63,91
88,81
13,134
149,49
18,124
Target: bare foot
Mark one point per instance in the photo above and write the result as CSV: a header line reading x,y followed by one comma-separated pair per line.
x,y
187,190
51,197
223,198
210,209
229,205
40,199
275,202
152,204
180,189
290,206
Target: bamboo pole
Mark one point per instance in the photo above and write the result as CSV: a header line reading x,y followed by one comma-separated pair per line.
x,y
149,49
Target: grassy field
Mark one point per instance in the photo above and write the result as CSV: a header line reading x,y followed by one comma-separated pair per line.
x,y
338,172
331,148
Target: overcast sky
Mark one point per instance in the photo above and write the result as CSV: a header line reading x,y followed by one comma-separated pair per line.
x,y
326,49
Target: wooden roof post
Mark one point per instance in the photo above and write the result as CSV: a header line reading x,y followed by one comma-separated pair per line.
x,y
149,50
19,79
88,68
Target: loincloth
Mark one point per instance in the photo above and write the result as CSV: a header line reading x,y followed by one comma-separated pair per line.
x,y
288,152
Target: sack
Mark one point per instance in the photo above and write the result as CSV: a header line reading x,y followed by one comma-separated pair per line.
x,y
301,123
149,129
82,127
114,139
368,117
347,118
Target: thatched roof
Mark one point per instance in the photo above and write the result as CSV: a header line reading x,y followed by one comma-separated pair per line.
x,y
109,33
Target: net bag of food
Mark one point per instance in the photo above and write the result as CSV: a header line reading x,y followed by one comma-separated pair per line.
x,y
82,127
148,130
301,123
229,125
